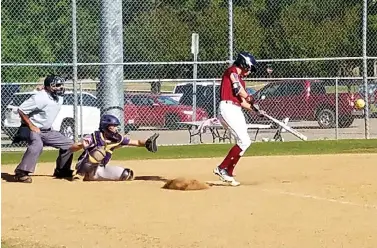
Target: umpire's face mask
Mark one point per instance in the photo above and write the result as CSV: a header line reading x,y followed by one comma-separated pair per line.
x,y
58,89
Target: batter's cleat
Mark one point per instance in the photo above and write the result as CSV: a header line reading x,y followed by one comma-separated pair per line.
x,y
223,174
234,183
22,177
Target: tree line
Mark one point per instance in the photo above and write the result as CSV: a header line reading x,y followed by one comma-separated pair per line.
x,y
160,31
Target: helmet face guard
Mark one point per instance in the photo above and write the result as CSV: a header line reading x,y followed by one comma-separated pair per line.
x,y
105,122
56,85
58,88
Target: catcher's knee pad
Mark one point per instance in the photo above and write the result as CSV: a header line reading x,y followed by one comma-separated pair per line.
x,y
127,175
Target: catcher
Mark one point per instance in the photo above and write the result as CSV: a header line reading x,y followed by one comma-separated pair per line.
x,y
98,148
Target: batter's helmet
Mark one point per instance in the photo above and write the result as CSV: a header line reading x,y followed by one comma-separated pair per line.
x,y
246,61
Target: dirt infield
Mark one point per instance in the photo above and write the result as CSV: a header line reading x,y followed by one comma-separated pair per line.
x,y
301,201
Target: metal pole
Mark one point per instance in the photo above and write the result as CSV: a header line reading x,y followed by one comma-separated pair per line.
x,y
365,68
194,51
214,99
195,76
110,88
336,109
230,24
81,114
74,58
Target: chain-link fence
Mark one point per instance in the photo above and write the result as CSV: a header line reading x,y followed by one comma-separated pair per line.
x,y
134,59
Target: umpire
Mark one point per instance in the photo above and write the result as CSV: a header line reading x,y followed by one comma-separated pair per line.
x,y
37,116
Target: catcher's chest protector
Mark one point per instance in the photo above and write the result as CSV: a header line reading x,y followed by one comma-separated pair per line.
x,y
100,142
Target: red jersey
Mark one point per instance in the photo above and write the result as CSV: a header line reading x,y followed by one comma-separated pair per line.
x,y
226,92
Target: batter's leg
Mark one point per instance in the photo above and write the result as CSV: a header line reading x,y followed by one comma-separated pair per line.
x,y
233,119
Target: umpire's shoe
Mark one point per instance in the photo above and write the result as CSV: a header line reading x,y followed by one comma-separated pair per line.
x,y
64,174
22,177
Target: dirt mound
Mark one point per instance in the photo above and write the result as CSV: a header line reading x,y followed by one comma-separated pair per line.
x,y
182,183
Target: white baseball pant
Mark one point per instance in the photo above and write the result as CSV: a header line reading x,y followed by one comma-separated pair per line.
x,y
233,119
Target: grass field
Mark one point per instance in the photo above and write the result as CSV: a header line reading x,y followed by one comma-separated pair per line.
x,y
218,150
284,200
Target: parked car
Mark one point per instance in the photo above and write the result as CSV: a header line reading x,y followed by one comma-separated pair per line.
x,y
306,101
153,110
64,122
207,97
8,91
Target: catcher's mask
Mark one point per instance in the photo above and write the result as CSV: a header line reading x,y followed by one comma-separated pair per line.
x,y
55,84
110,133
246,62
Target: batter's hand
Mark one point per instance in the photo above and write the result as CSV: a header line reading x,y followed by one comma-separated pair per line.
x,y
261,113
256,108
250,99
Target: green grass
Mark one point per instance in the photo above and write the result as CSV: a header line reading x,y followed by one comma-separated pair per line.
x,y
219,150
14,243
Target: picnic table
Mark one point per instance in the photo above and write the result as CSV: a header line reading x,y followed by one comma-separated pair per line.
x,y
197,128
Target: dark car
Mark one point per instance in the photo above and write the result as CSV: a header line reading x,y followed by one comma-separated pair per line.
x,y
207,96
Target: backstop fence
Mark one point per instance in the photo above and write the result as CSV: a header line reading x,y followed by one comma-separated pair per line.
x,y
157,64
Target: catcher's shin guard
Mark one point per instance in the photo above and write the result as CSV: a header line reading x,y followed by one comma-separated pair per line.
x,y
127,175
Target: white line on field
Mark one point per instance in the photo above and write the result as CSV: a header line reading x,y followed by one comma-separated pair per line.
x,y
320,198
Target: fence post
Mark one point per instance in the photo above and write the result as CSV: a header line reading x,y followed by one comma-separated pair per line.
x,y
195,51
230,24
110,90
365,68
336,109
74,62
214,98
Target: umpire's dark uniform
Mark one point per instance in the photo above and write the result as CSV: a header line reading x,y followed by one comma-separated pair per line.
x,y
42,109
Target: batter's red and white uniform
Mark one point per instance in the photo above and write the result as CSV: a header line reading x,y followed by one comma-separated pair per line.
x,y
230,110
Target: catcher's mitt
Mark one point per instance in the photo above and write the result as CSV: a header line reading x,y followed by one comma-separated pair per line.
x,y
151,143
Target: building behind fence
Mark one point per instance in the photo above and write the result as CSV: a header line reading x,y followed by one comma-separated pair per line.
x,y
138,60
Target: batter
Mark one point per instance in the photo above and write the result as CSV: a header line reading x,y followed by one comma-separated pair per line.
x,y
233,98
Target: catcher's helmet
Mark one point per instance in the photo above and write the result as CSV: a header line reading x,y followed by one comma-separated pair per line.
x,y
246,61
107,120
56,84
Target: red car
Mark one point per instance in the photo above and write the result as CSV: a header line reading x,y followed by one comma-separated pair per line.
x,y
153,110
307,101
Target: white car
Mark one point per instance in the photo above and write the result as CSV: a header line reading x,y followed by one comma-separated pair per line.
x,y
64,122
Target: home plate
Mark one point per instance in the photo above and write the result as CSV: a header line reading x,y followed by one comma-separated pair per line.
x,y
217,183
